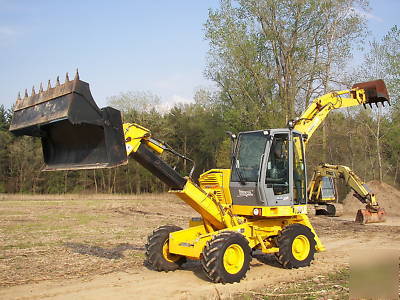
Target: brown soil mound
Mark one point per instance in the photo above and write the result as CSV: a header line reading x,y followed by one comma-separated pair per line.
x,y
387,196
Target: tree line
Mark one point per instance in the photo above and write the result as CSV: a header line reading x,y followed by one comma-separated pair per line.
x,y
268,60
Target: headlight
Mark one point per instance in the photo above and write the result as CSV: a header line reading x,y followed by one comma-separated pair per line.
x,y
257,211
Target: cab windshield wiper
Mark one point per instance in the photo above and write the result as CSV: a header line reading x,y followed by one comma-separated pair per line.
x,y
238,172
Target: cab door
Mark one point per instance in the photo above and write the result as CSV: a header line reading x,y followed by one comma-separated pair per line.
x,y
276,178
283,176
299,187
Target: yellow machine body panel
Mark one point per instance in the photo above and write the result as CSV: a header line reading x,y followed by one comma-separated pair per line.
x,y
269,211
259,233
206,204
216,181
135,135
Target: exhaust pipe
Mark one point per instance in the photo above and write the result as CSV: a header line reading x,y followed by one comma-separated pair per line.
x,y
75,132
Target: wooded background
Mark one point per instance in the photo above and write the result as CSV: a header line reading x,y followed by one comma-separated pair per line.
x,y
268,60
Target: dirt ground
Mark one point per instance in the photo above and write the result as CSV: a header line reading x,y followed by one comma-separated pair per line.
x,y
387,196
92,247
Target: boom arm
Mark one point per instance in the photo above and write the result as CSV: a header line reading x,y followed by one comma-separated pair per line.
x,y
138,141
361,93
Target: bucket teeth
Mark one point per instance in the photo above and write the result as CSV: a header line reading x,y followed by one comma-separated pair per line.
x,y
52,92
19,100
75,133
76,75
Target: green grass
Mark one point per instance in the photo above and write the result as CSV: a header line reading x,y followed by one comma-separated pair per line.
x,y
47,228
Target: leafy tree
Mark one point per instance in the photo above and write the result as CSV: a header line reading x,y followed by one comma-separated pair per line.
x,y
142,108
269,57
5,139
391,50
196,133
382,61
5,118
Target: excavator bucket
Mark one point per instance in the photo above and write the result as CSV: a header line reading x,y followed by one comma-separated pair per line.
x,y
375,91
365,216
75,132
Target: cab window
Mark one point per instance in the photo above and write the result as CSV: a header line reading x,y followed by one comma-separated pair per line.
x,y
299,172
277,176
249,150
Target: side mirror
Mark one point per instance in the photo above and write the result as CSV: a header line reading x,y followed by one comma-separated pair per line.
x,y
292,123
233,138
231,135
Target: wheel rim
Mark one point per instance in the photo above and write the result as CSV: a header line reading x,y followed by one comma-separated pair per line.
x,y
167,255
233,258
300,247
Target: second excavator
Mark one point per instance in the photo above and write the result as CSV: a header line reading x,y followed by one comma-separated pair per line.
x,y
259,204
322,193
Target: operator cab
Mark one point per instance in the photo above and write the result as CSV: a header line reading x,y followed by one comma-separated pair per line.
x,y
328,191
268,168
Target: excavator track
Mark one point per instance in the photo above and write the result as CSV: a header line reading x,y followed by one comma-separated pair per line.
x,y
335,209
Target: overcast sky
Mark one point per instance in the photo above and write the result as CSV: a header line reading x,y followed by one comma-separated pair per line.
x,y
118,46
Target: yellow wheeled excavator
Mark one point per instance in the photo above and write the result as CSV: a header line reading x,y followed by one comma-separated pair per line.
x,y
322,193
257,205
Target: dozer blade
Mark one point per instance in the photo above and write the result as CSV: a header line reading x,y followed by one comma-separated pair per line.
x,y
375,91
365,216
75,133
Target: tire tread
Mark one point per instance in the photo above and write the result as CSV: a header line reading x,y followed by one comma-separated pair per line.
x,y
155,241
212,255
285,240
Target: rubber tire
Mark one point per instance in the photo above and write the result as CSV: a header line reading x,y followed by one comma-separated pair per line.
x,y
154,250
213,254
285,241
331,210
334,209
